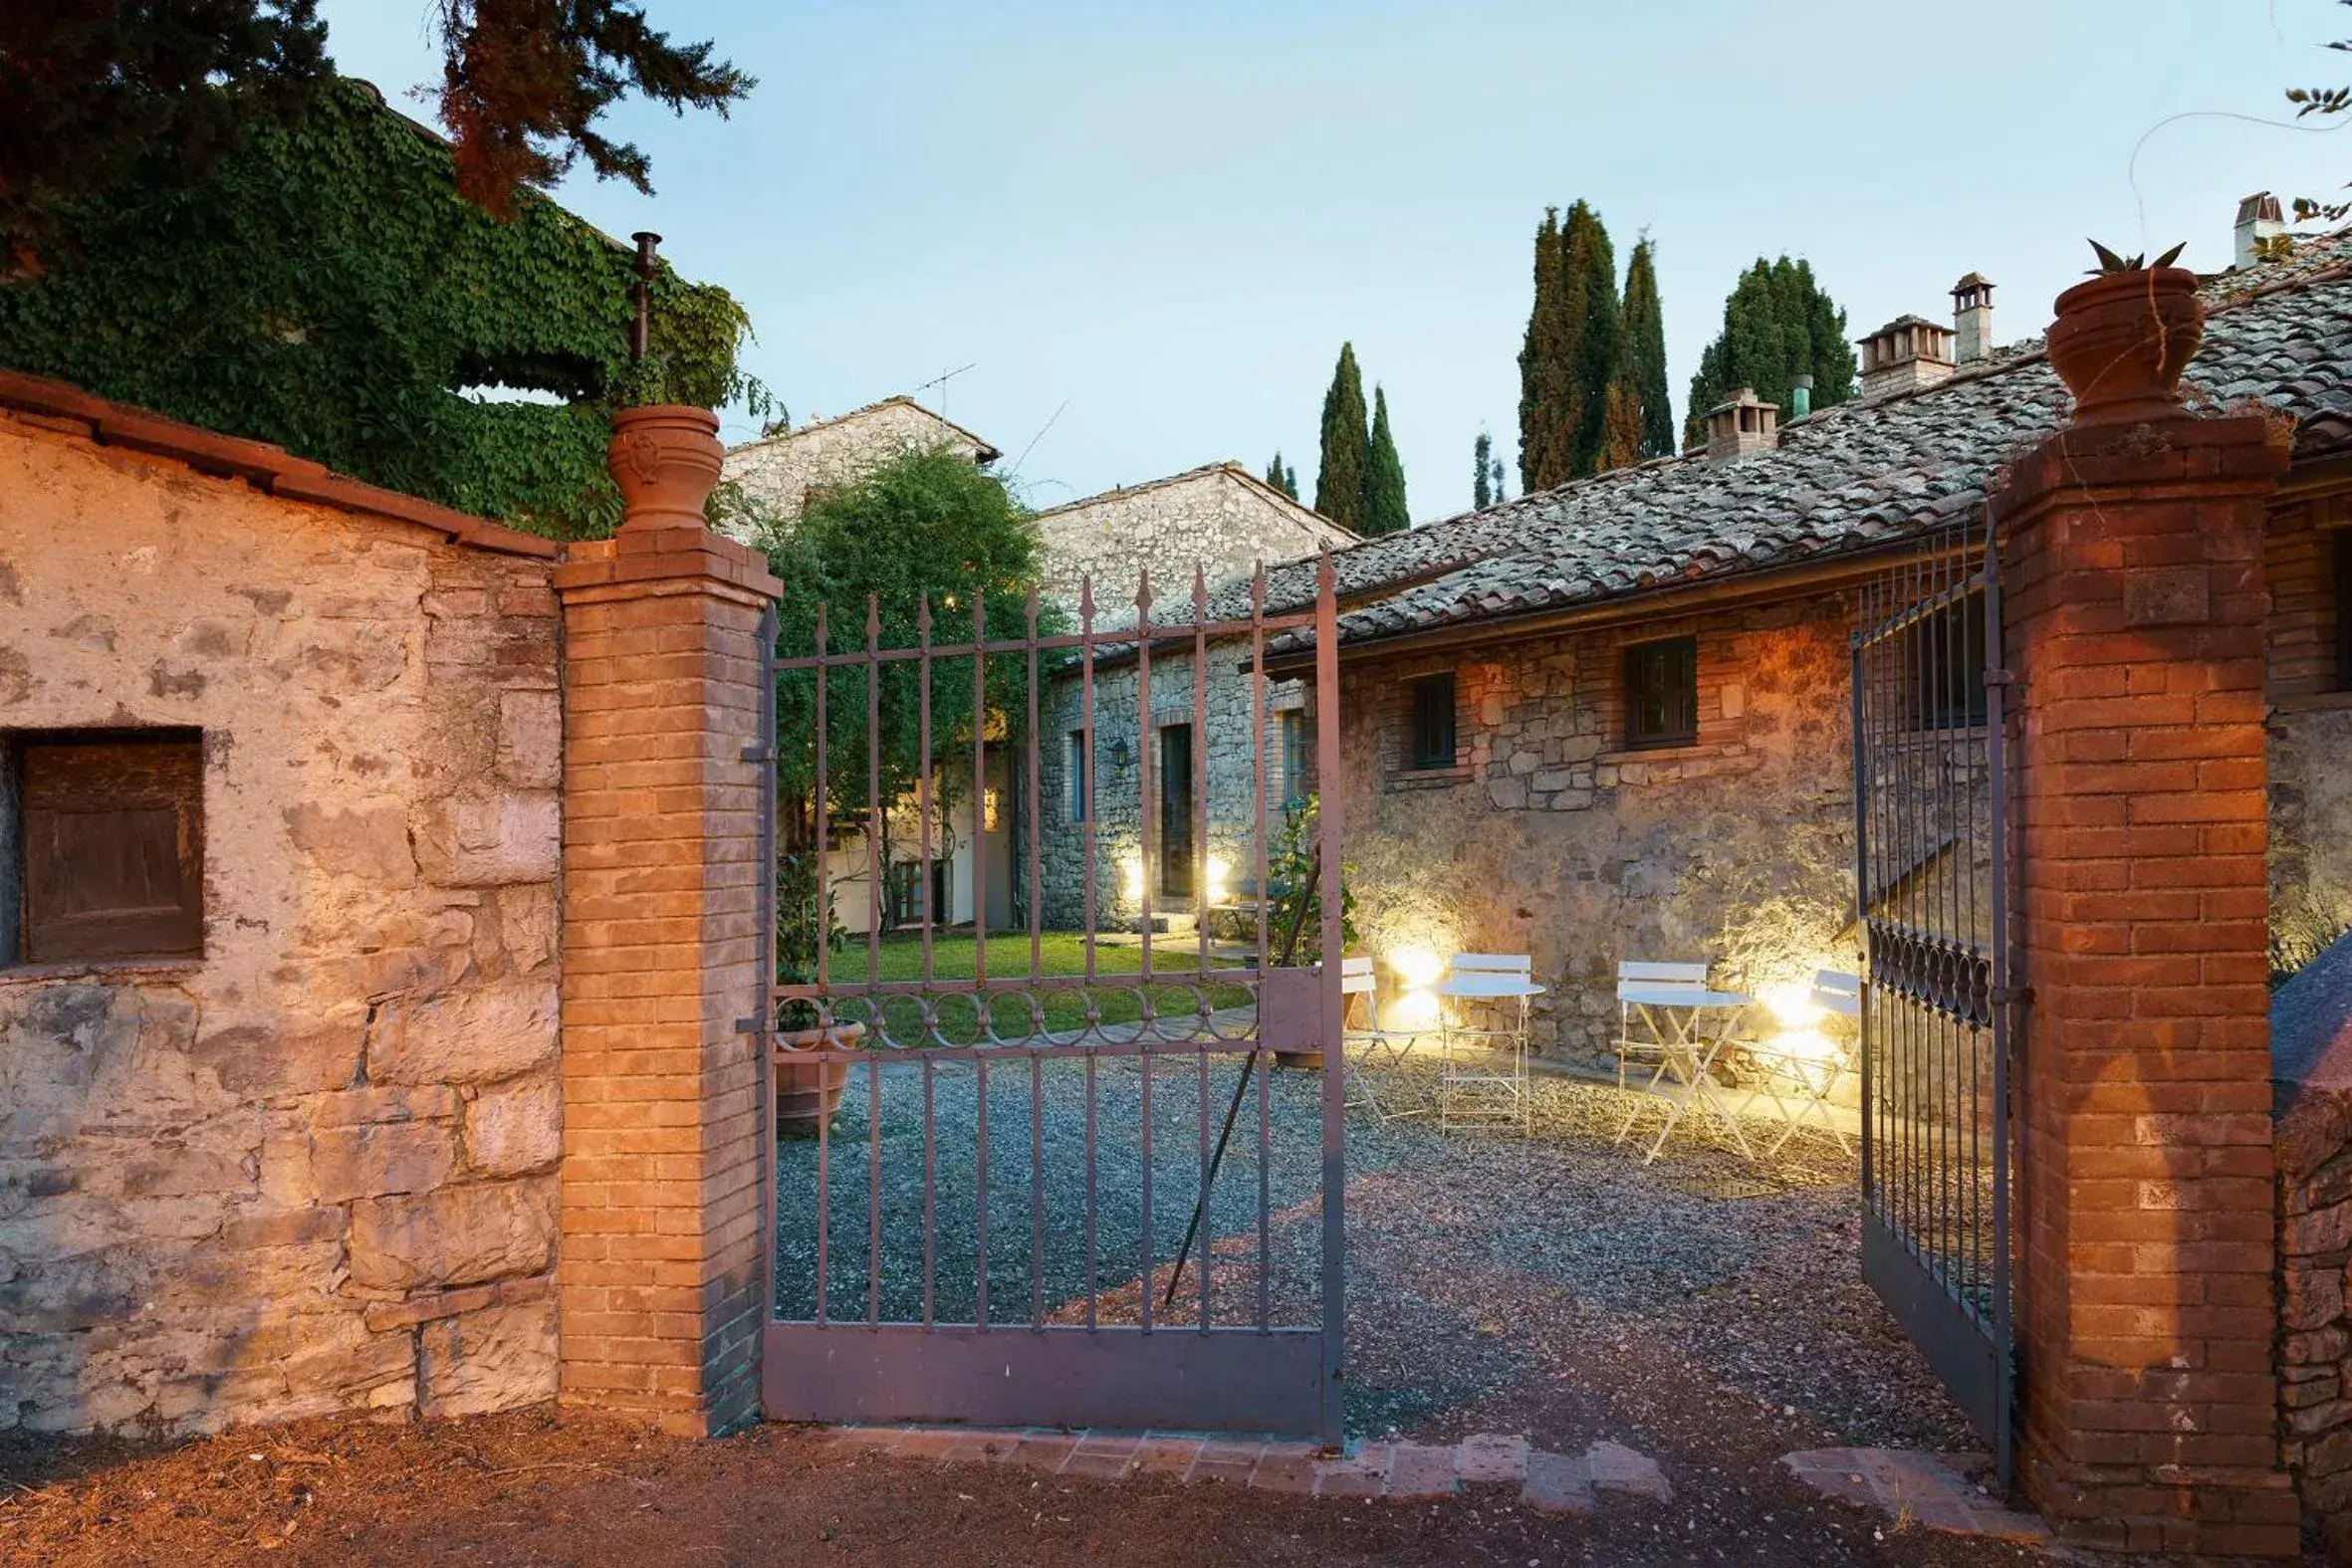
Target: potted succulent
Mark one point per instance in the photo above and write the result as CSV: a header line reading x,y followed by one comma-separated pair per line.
x,y
2122,339
808,1093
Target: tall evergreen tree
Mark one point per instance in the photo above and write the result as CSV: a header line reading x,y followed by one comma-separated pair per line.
x,y
1481,493
1501,495
1385,511
1545,362
1282,479
1642,366
1591,273
1346,459
1778,323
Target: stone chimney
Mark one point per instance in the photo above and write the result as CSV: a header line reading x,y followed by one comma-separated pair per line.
x,y
2259,219
1742,426
1971,316
1908,352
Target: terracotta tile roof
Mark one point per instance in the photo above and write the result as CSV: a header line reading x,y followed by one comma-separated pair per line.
x,y
60,405
1845,479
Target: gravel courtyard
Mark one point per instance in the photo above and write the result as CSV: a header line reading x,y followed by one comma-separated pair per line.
x,y
1494,1282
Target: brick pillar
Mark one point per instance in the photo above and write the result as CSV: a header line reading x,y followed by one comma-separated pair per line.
x,y
661,1276
2145,1314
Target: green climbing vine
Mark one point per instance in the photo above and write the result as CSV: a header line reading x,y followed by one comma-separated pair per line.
x,y
326,287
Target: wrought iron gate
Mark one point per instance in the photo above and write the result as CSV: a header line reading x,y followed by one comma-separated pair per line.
x,y
1031,1115
1933,863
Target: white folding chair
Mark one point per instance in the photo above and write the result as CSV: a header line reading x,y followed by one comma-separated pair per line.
x,y
1662,1011
1371,1044
1656,1034
1496,988
1799,1082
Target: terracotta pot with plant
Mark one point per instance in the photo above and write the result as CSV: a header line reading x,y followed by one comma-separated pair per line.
x,y
808,1093
2122,339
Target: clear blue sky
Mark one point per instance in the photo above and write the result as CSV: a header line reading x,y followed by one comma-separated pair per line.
x,y
1169,216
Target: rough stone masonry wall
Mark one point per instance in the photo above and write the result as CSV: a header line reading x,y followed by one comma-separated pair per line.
x,y
780,469
1231,777
2310,729
1550,838
311,1170
1217,516
2314,1152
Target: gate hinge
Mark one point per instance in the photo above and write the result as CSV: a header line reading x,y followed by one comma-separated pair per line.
x,y
750,1025
755,753
1994,677
2006,996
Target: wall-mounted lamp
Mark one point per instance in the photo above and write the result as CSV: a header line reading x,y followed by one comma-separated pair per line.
x,y
1120,752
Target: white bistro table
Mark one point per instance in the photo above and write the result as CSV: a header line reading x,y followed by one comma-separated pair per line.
x,y
1501,989
1679,1017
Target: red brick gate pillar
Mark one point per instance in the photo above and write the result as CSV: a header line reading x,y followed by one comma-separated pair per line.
x,y
660,1275
2145,1315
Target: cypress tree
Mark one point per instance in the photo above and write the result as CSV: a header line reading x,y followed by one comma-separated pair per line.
x,y
1643,365
1341,478
1778,323
1589,271
1482,494
1282,479
1501,495
1544,363
1385,511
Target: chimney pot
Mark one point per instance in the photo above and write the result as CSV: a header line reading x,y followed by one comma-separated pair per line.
x,y
1971,316
1741,426
2259,220
1908,352
1800,396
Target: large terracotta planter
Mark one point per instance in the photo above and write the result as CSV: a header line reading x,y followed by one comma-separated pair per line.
x,y
808,1093
2121,341
665,458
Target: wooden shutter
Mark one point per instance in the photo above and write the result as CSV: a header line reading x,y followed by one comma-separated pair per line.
x,y
1433,721
1662,693
114,846
2342,539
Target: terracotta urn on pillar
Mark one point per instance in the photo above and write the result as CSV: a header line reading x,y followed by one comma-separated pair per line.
x,y
665,458
2122,339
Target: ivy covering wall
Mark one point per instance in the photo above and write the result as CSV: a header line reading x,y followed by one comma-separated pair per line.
x,y
327,288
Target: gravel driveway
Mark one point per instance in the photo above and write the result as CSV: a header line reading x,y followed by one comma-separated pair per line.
x,y
1496,1282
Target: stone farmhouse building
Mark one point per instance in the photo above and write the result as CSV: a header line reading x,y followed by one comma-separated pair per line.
x,y
1219,516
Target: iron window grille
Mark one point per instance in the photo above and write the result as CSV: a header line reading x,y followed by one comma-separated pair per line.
x,y
1433,721
1293,741
1945,655
1075,793
1662,693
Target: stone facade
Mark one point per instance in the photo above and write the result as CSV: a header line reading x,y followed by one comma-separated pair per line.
x,y
2311,1041
2310,726
780,469
312,1169
1222,517
1232,775
1550,837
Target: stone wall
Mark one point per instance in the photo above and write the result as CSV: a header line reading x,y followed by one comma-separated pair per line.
x,y
1222,517
780,469
2311,728
311,1170
1232,777
2311,1052
1550,838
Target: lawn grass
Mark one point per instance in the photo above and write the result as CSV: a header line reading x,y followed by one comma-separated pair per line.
x,y
1118,1000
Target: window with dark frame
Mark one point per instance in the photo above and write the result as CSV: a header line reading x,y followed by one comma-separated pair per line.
x,y
1662,693
103,839
1945,655
1074,795
2343,552
1291,725
1433,723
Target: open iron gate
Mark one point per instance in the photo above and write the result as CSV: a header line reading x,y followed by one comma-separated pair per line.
x,y
1933,863
996,1231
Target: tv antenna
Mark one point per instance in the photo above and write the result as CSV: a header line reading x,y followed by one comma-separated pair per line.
x,y
940,381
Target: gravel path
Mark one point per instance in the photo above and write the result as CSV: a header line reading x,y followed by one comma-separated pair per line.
x,y
1494,1282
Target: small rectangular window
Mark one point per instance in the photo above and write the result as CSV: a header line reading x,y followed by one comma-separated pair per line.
x,y
108,844
1944,662
1433,721
1292,727
1662,693
1075,773
2343,607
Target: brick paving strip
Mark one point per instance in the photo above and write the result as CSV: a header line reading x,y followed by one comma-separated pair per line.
x,y
1929,1490
1390,1471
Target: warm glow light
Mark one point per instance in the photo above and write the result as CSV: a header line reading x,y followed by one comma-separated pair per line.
x,y
1415,1009
1220,869
1793,1004
1814,1050
1131,876
1418,968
